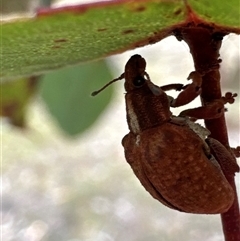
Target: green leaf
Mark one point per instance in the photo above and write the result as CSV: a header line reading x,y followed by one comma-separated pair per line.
x,y
76,34
220,12
67,94
52,41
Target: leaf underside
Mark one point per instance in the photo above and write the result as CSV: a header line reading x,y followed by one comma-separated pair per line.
x,y
77,34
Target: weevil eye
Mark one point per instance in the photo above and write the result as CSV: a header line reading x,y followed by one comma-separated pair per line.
x,y
139,81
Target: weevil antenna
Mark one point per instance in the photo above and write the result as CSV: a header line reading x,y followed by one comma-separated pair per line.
x,y
94,93
154,88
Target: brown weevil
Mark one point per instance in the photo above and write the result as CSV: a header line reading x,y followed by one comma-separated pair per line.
x,y
171,155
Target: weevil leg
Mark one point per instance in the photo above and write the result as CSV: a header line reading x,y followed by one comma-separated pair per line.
x,y
225,157
190,91
236,151
211,110
229,98
177,87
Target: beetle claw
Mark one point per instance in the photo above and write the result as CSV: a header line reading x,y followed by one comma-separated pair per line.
x,y
236,151
229,98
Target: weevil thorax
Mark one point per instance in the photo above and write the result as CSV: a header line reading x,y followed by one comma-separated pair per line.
x,y
146,104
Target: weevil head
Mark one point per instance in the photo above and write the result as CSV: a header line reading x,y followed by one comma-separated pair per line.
x,y
147,104
136,77
134,73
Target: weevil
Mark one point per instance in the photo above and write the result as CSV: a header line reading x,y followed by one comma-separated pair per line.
x,y
171,155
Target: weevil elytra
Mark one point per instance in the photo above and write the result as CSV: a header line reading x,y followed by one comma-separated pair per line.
x,y
169,154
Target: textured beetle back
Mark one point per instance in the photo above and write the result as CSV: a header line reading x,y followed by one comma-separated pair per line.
x,y
185,177
138,101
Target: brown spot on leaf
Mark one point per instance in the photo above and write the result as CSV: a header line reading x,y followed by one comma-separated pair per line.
x,y
56,46
139,8
61,40
128,31
177,11
102,29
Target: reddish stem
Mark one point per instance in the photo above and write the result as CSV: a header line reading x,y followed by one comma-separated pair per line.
x,y
204,43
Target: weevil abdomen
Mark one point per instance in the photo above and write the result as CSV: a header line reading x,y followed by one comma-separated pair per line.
x,y
175,169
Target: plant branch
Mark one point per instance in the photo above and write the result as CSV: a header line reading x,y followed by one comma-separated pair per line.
x,y
204,42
